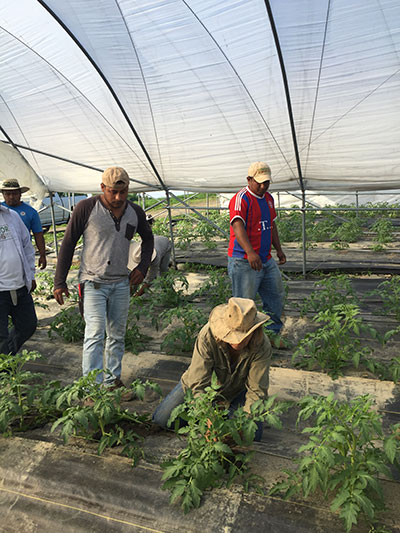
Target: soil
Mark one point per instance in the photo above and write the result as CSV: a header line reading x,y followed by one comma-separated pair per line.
x,y
91,494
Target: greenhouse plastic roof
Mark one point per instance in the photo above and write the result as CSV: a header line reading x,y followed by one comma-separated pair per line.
x,y
185,94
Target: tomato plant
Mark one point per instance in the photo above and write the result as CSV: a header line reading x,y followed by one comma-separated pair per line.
x,y
214,455
344,457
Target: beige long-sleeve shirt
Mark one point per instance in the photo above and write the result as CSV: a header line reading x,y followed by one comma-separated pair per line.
x,y
251,372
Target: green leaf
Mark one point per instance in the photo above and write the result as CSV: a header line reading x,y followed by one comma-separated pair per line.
x,y
340,499
390,447
214,382
222,447
179,489
250,431
350,513
171,470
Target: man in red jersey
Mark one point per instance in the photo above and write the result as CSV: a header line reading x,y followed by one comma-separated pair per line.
x,y
250,265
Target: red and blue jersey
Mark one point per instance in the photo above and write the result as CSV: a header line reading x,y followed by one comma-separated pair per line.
x,y
258,215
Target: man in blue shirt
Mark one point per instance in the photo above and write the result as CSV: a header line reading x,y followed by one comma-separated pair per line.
x,y
12,196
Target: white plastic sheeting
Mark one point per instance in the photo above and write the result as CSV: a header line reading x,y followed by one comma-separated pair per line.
x,y
13,164
201,93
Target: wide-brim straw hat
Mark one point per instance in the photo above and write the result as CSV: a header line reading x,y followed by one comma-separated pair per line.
x,y
12,185
234,321
135,252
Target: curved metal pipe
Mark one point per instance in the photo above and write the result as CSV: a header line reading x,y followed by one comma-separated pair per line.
x,y
287,92
108,85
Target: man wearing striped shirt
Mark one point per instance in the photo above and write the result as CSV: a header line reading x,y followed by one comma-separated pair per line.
x,y
251,267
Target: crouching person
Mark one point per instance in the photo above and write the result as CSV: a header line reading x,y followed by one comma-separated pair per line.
x,y
233,345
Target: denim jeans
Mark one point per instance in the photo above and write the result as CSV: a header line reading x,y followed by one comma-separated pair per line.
x,y
176,397
267,282
105,311
23,316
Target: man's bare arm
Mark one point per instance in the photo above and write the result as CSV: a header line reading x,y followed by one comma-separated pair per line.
x,y
41,246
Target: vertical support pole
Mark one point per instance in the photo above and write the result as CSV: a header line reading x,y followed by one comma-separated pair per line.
x,y
207,203
53,222
357,213
303,226
279,205
170,229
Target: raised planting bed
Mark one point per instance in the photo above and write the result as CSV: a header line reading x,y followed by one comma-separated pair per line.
x,y
46,484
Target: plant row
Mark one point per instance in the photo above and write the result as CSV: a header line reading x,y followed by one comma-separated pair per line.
x,y
336,225
344,459
333,306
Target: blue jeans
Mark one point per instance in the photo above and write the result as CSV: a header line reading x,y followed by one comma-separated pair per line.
x,y
23,316
267,282
105,311
177,396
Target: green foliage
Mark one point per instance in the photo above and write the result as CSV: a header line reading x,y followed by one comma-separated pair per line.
x,y
344,457
44,284
391,333
190,228
329,292
384,233
135,341
49,237
207,233
161,227
289,226
69,324
182,337
389,292
25,401
217,289
212,457
328,225
320,226
168,290
349,231
199,267
332,347
379,529
388,371
339,245
94,412
324,226
184,233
